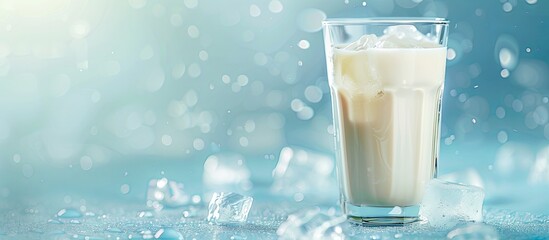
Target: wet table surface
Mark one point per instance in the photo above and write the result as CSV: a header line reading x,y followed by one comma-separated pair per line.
x,y
101,211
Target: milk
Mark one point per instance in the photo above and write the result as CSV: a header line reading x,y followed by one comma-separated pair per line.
x,y
386,94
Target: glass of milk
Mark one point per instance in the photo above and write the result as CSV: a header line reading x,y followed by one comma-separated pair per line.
x,y
386,78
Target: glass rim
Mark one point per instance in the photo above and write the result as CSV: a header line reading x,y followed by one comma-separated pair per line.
x,y
385,20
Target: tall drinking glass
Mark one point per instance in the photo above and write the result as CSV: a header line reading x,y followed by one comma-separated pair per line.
x,y
386,78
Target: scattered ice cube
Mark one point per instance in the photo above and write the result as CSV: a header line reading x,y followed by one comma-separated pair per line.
x,y
301,171
311,224
165,193
229,208
467,177
474,231
168,234
226,172
69,213
446,203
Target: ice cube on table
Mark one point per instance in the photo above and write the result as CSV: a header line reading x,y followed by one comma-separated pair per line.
x,y
468,177
229,208
166,193
226,172
311,224
446,203
303,171
474,231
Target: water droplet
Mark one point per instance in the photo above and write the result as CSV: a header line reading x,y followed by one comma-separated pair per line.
x,y
242,80
166,140
193,31
243,141
303,44
54,221
313,94
528,50
145,214
86,163
310,20
306,113
16,158
226,79
203,55
69,213
198,144
298,197
249,126
364,4
196,199
506,51
191,98
507,7
297,105
504,73
275,6
500,112
255,11
137,3
531,1
517,105
474,120
194,70
125,189
502,137
451,55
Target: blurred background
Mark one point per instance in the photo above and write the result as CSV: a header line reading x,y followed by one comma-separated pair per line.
x,y
98,97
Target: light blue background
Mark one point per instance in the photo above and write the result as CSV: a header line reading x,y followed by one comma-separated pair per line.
x,y
97,94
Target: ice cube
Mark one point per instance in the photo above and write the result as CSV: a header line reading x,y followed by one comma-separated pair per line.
x,y
468,177
168,233
301,171
365,42
229,208
226,172
474,231
311,224
404,36
445,203
165,193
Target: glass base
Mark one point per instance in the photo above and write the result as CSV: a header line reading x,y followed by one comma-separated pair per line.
x,y
380,216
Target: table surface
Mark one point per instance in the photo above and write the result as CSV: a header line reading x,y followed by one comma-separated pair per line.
x,y
29,212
